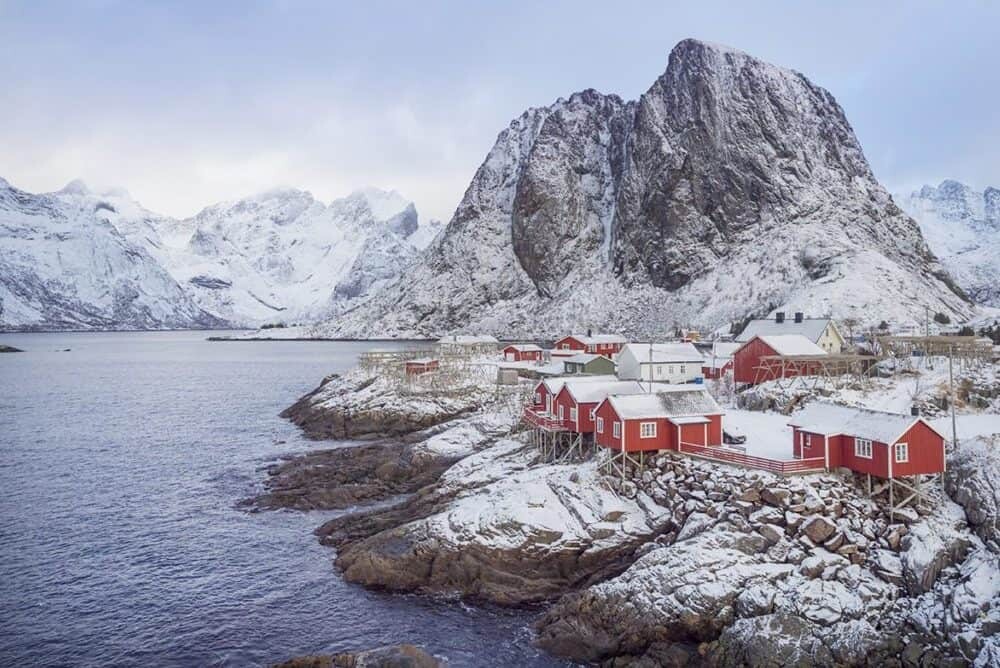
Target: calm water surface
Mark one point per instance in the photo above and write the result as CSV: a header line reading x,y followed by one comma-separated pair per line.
x,y
121,462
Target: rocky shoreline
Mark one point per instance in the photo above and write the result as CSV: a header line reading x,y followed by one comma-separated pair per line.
x,y
686,563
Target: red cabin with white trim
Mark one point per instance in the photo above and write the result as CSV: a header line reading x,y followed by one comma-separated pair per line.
x,y
658,421
750,363
577,401
608,345
522,352
885,445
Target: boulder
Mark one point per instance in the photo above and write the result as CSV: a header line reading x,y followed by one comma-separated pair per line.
x,y
818,529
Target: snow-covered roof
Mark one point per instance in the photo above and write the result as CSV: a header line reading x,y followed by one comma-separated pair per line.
x,y
556,384
811,328
588,393
693,419
523,347
594,339
724,348
716,362
820,417
468,339
792,344
663,353
421,360
667,402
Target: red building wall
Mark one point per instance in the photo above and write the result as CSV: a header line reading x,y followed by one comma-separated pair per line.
x,y
926,452
747,359
606,438
878,465
573,343
522,355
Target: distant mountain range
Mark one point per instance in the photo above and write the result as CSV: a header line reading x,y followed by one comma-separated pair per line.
x,y
962,226
76,259
731,187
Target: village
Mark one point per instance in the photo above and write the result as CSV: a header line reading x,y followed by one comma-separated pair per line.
x,y
622,402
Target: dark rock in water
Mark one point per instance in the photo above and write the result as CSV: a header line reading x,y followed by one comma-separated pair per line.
x,y
345,477
10,349
394,656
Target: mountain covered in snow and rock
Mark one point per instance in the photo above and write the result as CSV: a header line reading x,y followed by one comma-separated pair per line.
x,y
76,259
962,227
730,187
63,265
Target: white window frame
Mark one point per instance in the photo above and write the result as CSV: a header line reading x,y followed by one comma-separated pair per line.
x,y
682,370
860,446
538,398
572,413
593,414
561,407
670,369
616,429
906,452
806,441
600,425
647,430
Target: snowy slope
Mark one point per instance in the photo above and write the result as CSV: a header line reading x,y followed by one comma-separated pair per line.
x,y
284,256
64,266
80,259
962,227
730,187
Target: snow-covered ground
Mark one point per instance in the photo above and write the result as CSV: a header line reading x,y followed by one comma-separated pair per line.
x,y
768,434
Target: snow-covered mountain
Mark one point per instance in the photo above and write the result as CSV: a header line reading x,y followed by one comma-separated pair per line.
x,y
63,265
84,260
730,187
282,255
962,227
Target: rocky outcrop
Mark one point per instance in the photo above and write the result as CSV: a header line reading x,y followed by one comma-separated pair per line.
x,y
394,656
10,349
730,187
973,480
362,406
497,528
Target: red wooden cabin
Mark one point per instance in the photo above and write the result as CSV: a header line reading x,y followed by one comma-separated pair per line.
x,y
421,366
715,369
658,421
576,401
522,352
751,363
596,344
885,445
543,398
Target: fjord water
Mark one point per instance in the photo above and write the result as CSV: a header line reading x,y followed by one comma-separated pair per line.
x,y
122,460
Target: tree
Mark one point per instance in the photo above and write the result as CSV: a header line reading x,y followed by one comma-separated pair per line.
x,y
942,318
966,331
883,325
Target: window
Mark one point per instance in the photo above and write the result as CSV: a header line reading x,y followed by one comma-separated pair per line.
x,y
647,430
863,448
682,369
593,412
600,425
561,412
565,346
616,429
902,452
538,398
572,414
659,370
806,440
670,369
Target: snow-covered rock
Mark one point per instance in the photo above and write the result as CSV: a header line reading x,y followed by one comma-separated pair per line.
x,y
730,187
64,264
962,227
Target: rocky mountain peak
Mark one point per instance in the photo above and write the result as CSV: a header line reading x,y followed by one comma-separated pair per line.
x,y
75,187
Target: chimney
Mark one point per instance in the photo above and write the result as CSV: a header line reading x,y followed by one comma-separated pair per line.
x,y
779,316
915,410
798,316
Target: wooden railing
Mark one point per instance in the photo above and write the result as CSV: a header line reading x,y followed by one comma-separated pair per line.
x,y
721,454
544,420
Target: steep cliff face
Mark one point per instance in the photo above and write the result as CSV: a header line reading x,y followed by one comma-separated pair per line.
x,y
962,227
731,187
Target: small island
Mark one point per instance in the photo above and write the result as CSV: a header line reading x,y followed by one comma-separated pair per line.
x,y
9,349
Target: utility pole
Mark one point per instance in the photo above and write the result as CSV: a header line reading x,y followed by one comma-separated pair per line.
x,y
951,391
927,321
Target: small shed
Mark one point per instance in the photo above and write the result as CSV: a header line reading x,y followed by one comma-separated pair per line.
x,y
420,366
522,352
586,363
663,420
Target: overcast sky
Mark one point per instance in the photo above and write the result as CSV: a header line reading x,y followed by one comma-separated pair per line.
x,y
189,103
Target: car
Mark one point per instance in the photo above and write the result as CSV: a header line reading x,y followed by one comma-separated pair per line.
x,y
733,436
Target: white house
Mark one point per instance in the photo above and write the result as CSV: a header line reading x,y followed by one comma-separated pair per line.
x,y
674,363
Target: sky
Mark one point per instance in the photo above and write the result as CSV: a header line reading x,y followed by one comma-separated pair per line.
x,y
189,103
